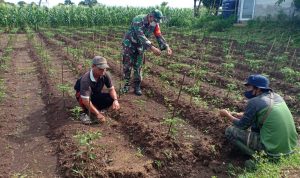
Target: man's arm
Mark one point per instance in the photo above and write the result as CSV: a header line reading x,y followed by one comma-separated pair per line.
x,y
247,119
227,114
114,96
145,42
160,39
112,92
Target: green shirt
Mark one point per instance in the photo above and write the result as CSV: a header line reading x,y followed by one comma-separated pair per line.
x,y
278,132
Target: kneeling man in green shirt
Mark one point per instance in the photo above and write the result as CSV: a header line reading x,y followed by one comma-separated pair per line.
x,y
267,123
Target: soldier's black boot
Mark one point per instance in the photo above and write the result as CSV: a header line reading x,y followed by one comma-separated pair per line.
x,y
126,88
137,89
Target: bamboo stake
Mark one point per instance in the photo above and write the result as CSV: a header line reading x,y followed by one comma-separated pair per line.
x,y
121,76
174,110
268,54
229,50
287,44
281,36
293,57
62,82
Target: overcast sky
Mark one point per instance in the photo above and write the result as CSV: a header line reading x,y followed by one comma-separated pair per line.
x,y
136,3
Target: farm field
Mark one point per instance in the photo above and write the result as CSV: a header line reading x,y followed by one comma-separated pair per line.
x,y
173,130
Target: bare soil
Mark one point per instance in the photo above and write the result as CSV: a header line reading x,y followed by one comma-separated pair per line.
x,y
26,148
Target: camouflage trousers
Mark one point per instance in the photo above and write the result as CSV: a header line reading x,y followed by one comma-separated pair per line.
x,y
132,59
248,142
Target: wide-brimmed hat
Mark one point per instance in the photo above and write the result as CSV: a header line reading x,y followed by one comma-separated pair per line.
x,y
258,81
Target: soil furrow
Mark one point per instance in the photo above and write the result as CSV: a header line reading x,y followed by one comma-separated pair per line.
x,y
28,150
118,157
144,133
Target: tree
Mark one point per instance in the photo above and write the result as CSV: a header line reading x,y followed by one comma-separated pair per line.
x,y
68,2
163,7
81,3
21,3
212,4
197,7
89,3
40,1
164,4
33,4
296,3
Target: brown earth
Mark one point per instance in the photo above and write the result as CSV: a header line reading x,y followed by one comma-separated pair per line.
x,y
26,148
189,157
134,141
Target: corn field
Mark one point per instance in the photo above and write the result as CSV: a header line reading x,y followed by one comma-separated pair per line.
x,y
34,16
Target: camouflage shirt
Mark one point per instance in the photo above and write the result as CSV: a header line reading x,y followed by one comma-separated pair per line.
x,y
140,30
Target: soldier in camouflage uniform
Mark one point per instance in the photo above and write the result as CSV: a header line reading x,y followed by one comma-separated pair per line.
x,y
136,41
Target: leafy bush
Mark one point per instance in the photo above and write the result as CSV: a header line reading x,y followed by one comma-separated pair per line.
x,y
282,167
220,24
290,74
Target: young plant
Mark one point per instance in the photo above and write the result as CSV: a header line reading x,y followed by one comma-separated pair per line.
x,y
174,120
158,164
168,154
63,88
86,142
231,87
173,124
76,112
254,64
139,152
213,149
290,75
228,68
2,89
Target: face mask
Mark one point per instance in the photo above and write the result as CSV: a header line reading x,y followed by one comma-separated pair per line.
x,y
248,94
153,24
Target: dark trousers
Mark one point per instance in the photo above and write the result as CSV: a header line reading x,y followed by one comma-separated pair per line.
x,y
101,101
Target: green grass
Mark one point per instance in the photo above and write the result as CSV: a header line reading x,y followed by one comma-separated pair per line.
x,y
2,90
285,167
265,32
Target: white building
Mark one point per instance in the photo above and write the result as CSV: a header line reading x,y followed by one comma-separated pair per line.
x,y
251,9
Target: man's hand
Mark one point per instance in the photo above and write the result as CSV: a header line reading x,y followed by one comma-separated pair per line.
x,y
227,114
116,105
238,115
155,50
169,51
100,117
224,113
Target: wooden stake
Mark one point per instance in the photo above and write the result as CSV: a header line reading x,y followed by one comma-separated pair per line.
x,y
287,46
293,57
268,54
174,110
62,82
